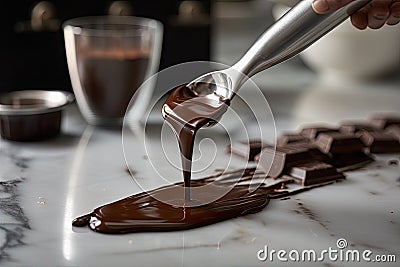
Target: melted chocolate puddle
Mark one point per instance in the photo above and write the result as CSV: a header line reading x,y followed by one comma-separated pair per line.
x,y
170,208
145,212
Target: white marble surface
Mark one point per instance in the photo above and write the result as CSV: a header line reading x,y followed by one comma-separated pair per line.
x,y
45,185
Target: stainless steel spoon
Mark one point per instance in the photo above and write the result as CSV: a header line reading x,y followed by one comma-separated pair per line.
x,y
294,32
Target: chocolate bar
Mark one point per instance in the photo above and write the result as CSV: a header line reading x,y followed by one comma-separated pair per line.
x,y
338,143
313,150
275,162
289,138
315,172
383,121
313,132
355,127
283,190
347,162
394,130
380,142
247,150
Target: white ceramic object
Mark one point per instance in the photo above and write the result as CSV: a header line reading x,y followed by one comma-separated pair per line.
x,y
347,53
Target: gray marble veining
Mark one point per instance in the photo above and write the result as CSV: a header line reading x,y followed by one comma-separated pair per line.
x,y
13,220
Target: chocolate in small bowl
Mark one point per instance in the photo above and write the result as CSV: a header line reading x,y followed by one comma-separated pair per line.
x,y
32,115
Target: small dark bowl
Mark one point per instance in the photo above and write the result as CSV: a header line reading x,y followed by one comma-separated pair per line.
x,y
32,115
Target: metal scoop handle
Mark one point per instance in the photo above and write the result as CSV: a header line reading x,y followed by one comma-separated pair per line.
x,y
294,32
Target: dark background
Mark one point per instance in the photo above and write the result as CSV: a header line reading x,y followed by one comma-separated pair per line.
x,y
35,59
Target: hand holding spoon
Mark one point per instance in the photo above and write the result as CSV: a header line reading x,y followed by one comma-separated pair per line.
x,y
290,35
203,101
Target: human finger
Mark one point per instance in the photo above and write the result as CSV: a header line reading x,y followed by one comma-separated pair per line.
x,y
327,6
378,13
394,17
360,19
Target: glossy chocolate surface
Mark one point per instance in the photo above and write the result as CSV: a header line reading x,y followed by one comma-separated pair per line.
x,y
313,131
380,142
314,173
356,126
339,143
276,162
289,138
394,130
350,161
187,113
383,121
247,150
145,211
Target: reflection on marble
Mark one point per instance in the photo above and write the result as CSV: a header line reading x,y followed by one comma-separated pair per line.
x,y
69,203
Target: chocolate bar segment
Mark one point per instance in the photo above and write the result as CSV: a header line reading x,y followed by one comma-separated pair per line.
x,y
289,138
347,162
315,173
339,143
313,132
355,127
313,150
394,130
247,150
275,162
383,121
380,142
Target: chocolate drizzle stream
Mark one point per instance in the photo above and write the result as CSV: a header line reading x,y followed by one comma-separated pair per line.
x,y
186,113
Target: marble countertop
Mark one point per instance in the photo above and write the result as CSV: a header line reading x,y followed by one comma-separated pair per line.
x,y
44,185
